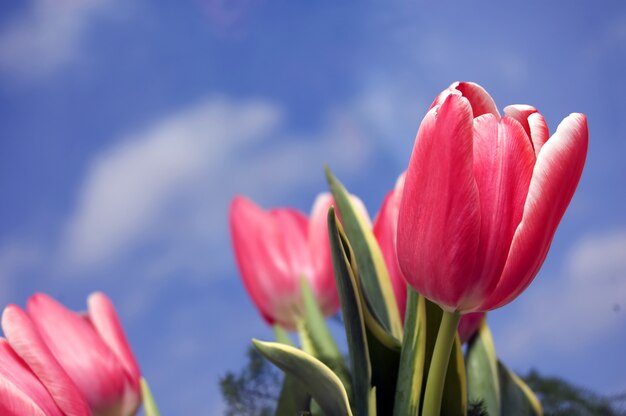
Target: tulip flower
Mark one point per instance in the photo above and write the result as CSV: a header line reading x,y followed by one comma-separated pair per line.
x,y
482,198
275,249
88,351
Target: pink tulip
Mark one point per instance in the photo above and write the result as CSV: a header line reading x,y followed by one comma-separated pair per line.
x,y
275,249
385,226
87,351
483,197
469,324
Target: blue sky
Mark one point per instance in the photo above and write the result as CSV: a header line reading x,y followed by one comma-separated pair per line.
x,y
127,127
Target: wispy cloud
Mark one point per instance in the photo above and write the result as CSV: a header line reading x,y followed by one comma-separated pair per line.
x,y
47,35
172,181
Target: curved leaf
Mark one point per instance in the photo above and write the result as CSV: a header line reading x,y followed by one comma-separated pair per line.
x,y
517,399
352,310
482,371
411,370
319,380
293,398
373,273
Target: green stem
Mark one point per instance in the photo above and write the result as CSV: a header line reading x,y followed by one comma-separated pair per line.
x,y
439,363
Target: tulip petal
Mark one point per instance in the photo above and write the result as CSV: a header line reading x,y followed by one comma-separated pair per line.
x,y
439,215
21,393
479,98
107,324
534,124
104,318
503,165
385,226
14,402
29,345
555,177
73,341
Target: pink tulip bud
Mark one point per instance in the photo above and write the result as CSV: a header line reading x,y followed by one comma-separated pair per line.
x,y
88,351
483,197
275,249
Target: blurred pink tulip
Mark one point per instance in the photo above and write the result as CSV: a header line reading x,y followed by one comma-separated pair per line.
x,y
275,249
483,197
385,226
469,324
88,352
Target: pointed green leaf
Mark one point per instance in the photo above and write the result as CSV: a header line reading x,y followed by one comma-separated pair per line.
x,y
411,371
317,339
516,398
149,406
293,398
352,310
373,272
320,381
385,362
454,400
482,371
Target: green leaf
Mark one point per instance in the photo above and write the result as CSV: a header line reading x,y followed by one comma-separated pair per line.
x,y
516,398
482,371
294,397
373,273
319,380
454,400
411,370
149,405
352,310
385,362
317,339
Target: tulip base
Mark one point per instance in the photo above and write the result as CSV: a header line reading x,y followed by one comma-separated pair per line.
x,y
439,363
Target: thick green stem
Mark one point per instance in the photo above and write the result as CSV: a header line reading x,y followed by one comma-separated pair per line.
x,y
439,363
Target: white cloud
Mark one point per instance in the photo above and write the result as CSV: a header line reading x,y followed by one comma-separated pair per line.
x,y
173,180
580,308
129,188
47,35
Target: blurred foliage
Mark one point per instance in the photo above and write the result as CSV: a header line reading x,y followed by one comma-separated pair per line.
x,y
255,390
560,398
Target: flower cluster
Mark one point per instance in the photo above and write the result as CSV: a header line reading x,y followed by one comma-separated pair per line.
x,y
464,231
